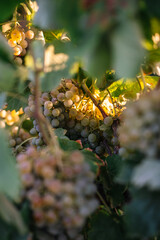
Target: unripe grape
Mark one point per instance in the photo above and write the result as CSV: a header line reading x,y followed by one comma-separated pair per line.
x,y
23,53
29,34
108,121
48,104
68,103
45,97
69,94
55,123
33,131
61,117
73,112
12,43
85,122
92,138
61,97
79,116
74,89
99,150
24,44
69,85
18,60
54,93
71,123
12,142
56,112
47,112
16,35
76,98
78,127
93,123
85,133
17,50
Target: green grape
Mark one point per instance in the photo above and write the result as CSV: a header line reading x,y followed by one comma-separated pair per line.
x,y
69,94
108,121
61,97
85,122
73,112
55,123
55,112
85,133
68,103
48,105
93,123
92,138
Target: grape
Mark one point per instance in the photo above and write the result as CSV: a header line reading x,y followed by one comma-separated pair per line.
x,y
74,89
48,104
79,116
23,53
61,117
108,121
55,123
71,123
33,131
73,112
54,93
24,44
16,35
68,103
45,97
69,85
47,112
92,138
12,43
99,150
85,122
93,123
56,112
78,127
76,98
69,94
17,50
53,194
29,34
18,60
61,97
84,133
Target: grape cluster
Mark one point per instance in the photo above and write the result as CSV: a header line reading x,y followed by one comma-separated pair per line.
x,y
60,188
18,40
140,130
17,137
67,107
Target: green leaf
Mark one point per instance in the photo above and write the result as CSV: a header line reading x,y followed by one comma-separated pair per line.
x,y
9,177
7,77
141,215
68,145
7,9
114,164
10,214
104,227
6,52
52,79
127,49
147,174
60,132
91,159
38,53
27,125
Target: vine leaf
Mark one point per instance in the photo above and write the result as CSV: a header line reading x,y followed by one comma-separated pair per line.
x,y
9,177
104,227
127,49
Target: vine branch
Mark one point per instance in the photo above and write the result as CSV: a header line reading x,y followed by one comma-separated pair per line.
x,y
94,100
